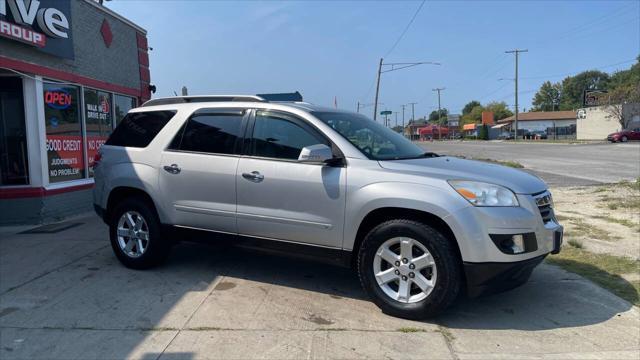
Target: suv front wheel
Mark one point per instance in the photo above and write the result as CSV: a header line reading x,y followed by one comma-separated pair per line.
x,y
136,236
409,269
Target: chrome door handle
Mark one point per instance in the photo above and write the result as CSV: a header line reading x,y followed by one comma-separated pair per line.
x,y
254,176
173,169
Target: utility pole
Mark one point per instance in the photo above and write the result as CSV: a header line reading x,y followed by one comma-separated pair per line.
x,y
403,118
439,110
358,108
516,52
396,113
413,113
375,102
394,67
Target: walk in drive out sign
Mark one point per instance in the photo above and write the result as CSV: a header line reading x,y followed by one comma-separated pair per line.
x,y
44,24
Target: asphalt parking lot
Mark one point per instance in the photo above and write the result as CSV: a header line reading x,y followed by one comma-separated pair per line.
x,y
557,164
65,296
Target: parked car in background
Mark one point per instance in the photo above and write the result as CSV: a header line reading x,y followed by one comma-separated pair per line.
x,y
624,135
506,135
539,134
418,228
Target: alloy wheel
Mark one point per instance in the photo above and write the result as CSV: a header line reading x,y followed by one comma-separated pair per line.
x,y
133,234
405,269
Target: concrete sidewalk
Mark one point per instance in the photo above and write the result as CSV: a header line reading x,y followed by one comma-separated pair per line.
x,y
65,296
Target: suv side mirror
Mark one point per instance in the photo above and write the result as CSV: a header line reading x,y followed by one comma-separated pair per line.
x,y
318,153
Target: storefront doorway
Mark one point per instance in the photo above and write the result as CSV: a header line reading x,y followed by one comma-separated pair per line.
x,y
14,169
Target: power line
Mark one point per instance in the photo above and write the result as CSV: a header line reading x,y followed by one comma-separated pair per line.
x,y
405,29
574,73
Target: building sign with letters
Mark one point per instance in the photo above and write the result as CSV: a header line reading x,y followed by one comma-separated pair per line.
x,y
43,24
595,98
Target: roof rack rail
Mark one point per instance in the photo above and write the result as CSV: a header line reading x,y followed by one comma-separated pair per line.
x,y
275,97
203,98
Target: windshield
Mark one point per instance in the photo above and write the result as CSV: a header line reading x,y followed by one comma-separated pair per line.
x,y
377,142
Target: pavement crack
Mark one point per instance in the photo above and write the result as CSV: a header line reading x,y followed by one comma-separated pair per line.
x,y
448,339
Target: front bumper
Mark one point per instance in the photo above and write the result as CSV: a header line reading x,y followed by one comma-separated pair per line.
x,y
491,278
474,226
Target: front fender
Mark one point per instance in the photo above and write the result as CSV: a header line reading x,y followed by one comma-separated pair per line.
x,y
362,201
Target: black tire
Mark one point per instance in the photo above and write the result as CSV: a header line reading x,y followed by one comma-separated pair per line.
x,y
448,282
158,245
624,139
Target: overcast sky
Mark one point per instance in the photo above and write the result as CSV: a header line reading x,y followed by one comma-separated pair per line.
x,y
331,49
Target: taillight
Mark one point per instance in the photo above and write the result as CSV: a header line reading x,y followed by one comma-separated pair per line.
x,y
96,159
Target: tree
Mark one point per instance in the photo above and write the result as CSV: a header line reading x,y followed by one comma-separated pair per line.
x,y
470,105
500,110
548,97
474,116
441,118
618,98
573,87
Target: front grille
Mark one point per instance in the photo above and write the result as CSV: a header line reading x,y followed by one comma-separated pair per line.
x,y
545,205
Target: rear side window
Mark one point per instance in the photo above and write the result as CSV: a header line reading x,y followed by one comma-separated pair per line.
x,y
211,132
139,129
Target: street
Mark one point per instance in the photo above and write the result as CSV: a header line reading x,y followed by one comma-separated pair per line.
x,y
65,296
557,164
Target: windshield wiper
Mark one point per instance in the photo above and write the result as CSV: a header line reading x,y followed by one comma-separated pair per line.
x,y
424,155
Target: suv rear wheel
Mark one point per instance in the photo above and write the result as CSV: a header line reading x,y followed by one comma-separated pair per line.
x,y
409,269
136,236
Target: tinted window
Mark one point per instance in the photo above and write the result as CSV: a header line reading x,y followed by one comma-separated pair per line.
x,y
275,137
211,133
139,129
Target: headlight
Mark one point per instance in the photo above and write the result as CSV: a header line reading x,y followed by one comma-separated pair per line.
x,y
484,194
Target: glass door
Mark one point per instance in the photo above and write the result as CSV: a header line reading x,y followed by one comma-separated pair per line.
x,y
14,169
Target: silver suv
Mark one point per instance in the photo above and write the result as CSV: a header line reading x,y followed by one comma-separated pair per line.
x,y
418,227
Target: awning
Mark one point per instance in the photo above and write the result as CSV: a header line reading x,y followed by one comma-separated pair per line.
x,y
499,126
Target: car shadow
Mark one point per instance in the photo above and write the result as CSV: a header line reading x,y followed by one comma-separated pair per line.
x,y
552,298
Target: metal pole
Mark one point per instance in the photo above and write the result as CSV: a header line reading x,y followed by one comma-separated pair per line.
x,y
403,119
413,113
439,108
516,52
375,103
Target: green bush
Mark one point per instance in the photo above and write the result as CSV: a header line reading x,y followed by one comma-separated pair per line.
x,y
483,133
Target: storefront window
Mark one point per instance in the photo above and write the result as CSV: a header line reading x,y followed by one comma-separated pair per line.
x,y
98,120
64,132
13,139
122,105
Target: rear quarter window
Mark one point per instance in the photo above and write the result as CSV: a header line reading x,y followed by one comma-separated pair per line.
x,y
140,128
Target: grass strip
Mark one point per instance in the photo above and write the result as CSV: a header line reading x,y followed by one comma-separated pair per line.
x,y
603,269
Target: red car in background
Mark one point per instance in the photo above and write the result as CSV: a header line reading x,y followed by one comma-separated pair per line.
x,y
624,135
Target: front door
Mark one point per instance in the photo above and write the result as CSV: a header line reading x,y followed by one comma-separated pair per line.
x,y
198,170
281,198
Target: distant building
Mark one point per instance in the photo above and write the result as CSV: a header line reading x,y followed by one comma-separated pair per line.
x,y
453,123
558,124
412,130
595,123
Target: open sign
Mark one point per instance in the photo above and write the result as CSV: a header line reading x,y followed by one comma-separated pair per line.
x,y
57,98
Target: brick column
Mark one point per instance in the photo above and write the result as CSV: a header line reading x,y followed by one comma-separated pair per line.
x,y
143,61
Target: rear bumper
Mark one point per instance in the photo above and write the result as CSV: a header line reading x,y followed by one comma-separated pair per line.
x,y
491,278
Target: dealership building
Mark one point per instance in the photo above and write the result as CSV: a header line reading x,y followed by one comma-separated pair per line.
x,y
69,71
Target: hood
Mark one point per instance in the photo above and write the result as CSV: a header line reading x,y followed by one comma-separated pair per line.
x,y
451,168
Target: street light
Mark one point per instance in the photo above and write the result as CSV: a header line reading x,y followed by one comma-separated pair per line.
x,y
394,67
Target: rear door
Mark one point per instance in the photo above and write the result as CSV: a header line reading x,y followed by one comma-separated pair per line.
x,y
198,176
281,198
